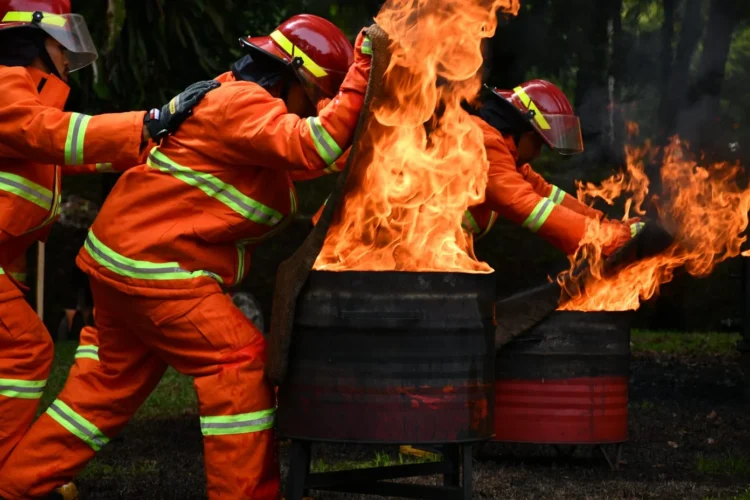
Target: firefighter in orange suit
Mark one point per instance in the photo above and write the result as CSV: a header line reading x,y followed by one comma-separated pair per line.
x,y
40,43
176,229
516,125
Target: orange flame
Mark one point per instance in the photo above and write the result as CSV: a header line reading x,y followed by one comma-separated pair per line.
x,y
702,207
425,162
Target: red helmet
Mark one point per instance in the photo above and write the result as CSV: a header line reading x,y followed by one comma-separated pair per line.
x,y
549,111
55,19
315,48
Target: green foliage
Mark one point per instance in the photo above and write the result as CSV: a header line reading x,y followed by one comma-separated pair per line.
x,y
728,465
684,343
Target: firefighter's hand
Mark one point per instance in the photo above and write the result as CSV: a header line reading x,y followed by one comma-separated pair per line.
x,y
161,122
618,233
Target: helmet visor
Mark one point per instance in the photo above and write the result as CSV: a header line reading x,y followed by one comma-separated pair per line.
x,y
71,32
562,133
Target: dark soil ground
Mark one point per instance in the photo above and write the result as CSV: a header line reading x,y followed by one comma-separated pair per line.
x,y
689,438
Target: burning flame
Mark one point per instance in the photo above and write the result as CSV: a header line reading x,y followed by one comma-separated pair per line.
x,y
424,162
702,207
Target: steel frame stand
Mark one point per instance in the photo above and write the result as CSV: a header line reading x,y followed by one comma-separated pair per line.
x,y
456,467
618,455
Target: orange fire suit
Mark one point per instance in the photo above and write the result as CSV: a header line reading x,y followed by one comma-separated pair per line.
x,y
522,196
35,137
17,269
171,233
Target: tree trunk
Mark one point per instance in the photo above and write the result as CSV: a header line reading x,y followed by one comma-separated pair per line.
x,y
591,95
667,55
617,71
698,122
676,95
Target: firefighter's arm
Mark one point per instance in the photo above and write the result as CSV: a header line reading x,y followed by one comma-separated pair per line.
x,y
30,130
275,138
513,197
557,195
308,175
109,167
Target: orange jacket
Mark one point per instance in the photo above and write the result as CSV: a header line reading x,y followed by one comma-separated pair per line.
x,y
523,196
35,137
17,269
184,222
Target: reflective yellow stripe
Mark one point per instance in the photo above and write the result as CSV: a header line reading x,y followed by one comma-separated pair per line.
x,y
539,215
557,195
367,47
324,142
27,17
245,423
26,189
2,271
469,223
89,351
105,167
526,100
216,188
636,228
20,277
493,219
77,425
295,51
22,389
76,139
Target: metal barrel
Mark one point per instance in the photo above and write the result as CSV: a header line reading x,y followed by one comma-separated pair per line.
x,y
565,381
391,357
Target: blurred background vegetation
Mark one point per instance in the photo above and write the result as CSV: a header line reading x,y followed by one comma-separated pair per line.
x,y
673,66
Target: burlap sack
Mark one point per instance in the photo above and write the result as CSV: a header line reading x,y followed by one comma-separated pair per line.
x,y
293,272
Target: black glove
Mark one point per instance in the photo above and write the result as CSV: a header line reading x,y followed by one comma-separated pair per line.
x,y
161,123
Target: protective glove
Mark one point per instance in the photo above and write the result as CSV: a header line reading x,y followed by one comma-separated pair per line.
x,y
362,47
161,123
618,234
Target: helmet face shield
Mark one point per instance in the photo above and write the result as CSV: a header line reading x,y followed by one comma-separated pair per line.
x,y
562,133
71,31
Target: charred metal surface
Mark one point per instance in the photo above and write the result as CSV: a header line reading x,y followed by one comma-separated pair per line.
x,y
569,344
391,357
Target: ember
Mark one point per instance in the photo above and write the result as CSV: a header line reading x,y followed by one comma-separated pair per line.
x,y
702,206
424,162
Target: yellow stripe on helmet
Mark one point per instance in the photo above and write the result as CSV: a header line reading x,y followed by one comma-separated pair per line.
x,y
526,100
294,51
28,17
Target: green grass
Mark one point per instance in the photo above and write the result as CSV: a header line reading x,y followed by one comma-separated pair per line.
x,y
741,496
96,471
173,396
728,465
380,459
684,343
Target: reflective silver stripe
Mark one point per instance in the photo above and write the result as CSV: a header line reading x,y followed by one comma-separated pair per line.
x,y
96,440
238,424
214,187
539,215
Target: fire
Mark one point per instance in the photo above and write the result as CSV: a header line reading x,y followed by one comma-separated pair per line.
x,y
702,206
422,160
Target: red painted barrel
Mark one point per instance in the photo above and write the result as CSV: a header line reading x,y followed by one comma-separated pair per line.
x,y
565,381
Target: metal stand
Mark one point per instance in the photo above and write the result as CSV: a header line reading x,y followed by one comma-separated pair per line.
x,y
456,468
618,456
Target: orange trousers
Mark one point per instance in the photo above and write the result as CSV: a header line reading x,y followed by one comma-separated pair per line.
x,y
25,360
206,338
